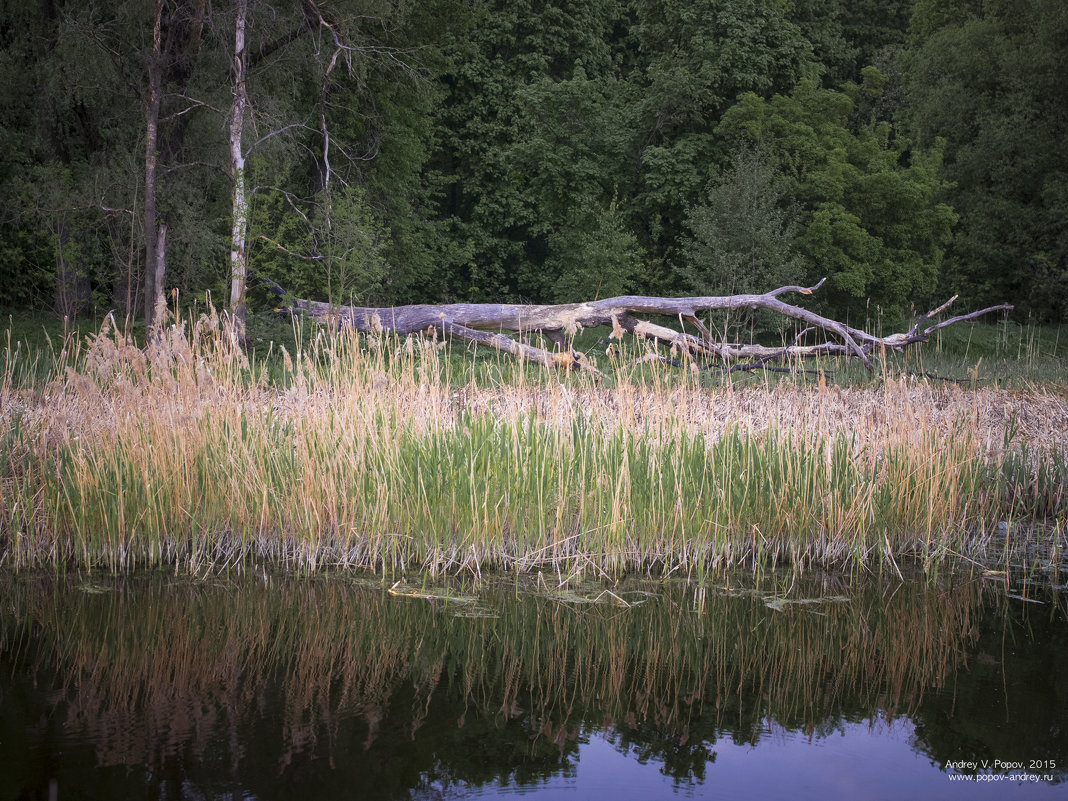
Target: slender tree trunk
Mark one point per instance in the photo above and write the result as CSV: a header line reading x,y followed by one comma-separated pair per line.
x,y
160,270
72,286
122,232
155,79
239,243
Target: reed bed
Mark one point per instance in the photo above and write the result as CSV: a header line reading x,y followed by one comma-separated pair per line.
x,y
383,454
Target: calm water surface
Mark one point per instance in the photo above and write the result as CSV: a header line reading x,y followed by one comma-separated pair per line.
x,y
151,686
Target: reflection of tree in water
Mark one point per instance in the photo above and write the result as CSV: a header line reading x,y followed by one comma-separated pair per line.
x,y
320,684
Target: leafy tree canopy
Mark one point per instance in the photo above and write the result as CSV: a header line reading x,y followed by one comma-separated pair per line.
x,y
540,150
869,215
988,79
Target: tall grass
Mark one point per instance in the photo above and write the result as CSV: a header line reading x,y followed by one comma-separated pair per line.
x,y
383,454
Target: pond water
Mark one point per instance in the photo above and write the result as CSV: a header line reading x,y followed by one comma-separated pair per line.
x,y
273,687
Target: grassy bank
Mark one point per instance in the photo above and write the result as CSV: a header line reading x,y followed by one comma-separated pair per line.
x,y
396,456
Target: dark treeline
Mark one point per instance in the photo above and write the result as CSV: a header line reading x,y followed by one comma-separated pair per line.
x,y
389,151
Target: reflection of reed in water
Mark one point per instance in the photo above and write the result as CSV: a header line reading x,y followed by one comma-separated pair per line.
x,y
149,669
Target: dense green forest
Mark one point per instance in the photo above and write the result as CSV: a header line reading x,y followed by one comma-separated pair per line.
x,y
393,151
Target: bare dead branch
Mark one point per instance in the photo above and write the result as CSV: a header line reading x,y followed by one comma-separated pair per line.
x,y
961,318
193,105
933,313
289,199
484,324
187,164
273,133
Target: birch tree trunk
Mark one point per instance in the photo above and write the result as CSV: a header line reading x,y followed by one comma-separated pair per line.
x,y
153,282
239,232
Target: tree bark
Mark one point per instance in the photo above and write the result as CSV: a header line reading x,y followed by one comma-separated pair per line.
x,y
159,270
239,231
153,290
484,323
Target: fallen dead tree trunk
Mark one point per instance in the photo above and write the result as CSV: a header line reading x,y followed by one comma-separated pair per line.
x,y
484,324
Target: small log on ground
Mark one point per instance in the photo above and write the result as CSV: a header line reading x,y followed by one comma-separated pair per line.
x,y
484,324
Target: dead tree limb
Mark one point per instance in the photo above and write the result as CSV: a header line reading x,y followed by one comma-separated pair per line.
x,y
484,324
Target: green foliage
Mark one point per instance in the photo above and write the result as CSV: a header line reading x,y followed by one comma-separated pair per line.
x,y
870,219
930,16
874,26
595,256
351,243
383,116
531,140
569,158
337,251
743,236
696,58
58,114
989,79
545,150
700,56
848,35
25,260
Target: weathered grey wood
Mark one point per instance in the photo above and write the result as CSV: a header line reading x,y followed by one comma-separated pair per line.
x,y
483,324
